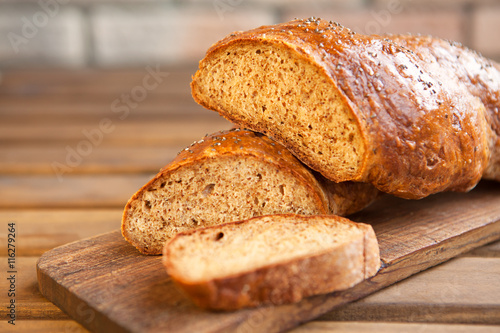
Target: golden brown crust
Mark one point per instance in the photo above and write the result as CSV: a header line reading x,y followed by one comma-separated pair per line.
x,y
329,198
286,282
479,76
425,131
243,144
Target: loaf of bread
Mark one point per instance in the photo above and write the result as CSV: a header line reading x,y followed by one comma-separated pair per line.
x,y
229,176
411,115
272,259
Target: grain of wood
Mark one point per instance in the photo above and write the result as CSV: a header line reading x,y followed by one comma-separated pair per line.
x,y
44,326
40,230
145,133
146,287
462,281
129,148
30,304
73,191
48,160
453,292
456,207
490,250
361,327
40,107
89,82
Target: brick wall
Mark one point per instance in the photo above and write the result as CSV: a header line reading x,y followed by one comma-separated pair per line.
x,y
78,33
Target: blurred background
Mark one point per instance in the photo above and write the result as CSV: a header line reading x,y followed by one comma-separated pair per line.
x,y
95,99
119,33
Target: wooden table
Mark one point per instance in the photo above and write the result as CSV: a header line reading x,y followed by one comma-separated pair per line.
x,y
75,145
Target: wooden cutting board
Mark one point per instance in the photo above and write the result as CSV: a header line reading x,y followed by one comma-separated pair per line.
x,y
107,286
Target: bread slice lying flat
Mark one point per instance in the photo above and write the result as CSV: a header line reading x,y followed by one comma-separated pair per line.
x,y
231,176
274,259
412,115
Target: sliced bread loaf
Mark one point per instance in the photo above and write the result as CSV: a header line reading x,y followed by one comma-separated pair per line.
x,y
230,176
273,259
412,115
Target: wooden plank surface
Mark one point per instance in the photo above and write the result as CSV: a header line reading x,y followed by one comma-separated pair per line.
x,y
95,190
44,326
363,327
413,236
53,81
30,304
105,159
40,230
43,111
141,132
453,292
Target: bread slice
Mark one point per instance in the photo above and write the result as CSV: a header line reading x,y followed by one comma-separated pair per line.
x,y
412,115
229,176
273,259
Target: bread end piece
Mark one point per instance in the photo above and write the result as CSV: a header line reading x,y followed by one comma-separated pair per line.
x,y
412,119
287,95
275,259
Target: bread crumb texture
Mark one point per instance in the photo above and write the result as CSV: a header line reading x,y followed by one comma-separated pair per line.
x,y
275,259
221,189
267,87
263,242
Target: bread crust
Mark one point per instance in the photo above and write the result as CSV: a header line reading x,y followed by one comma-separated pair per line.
x,y
329,198
427,128
478,75
289,281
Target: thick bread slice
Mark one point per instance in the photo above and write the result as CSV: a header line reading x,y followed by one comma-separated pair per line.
x,y
412,115
273,259
229,176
